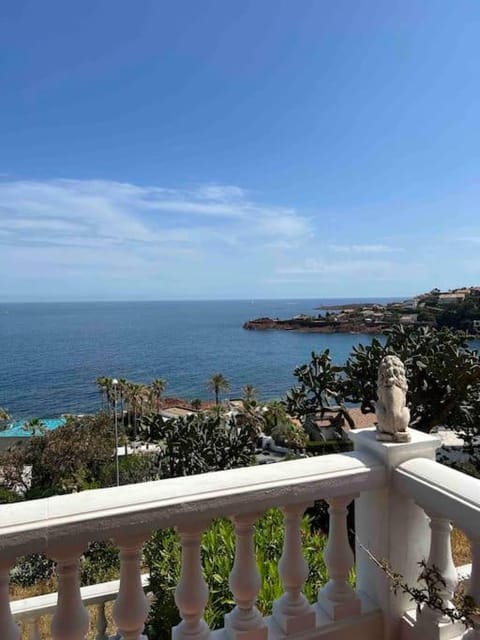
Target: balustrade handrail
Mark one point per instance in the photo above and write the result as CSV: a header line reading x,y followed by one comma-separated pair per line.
x,y
99,514
39,606
442,491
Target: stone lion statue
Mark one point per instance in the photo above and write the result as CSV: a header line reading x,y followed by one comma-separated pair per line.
x,y
393,416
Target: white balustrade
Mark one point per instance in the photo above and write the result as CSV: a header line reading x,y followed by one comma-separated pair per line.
x,y
10,629
191,594
442,578
474,586
70,621
30,611
245,620
393,488
338,598
447,496
131,606
440,562
292,612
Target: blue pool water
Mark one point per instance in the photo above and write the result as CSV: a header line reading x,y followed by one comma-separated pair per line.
x,y
16,429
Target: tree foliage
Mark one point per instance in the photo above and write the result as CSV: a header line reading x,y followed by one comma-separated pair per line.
x,y
319,388
198,443
278,424
67,459
443,375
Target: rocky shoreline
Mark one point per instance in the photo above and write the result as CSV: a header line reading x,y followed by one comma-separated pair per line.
x,y
311,326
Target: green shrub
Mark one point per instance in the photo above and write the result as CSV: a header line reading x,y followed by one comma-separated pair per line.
x,y
31,569
134,468
7,496
162,555
99,563
321,448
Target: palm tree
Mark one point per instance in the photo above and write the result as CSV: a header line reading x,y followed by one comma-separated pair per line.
x,y
249,394
34,426
156,391
136,400
101,382
110,394
122,393
218,383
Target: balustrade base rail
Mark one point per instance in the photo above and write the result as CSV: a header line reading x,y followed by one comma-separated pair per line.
x,y
367,625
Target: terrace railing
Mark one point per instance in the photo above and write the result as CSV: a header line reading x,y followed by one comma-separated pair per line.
x,y
31,611
394,486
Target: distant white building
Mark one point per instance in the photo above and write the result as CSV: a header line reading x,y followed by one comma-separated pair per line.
x,y
451,298
175,412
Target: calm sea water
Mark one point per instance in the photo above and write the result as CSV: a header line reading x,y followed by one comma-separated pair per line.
x,y
51,354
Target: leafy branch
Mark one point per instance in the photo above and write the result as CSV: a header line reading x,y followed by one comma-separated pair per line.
x,y
430,595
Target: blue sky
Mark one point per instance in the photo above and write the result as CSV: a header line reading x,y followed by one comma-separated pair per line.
x,y
238,149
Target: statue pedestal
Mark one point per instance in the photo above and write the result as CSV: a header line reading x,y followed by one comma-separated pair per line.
x,y
399,436
389,525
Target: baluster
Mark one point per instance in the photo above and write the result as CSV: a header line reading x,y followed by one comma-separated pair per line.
x,y
474,586
131,606
431,621
101,625
34,629
292,612
191,594
245,620
338,598
70,621
440,558
10,629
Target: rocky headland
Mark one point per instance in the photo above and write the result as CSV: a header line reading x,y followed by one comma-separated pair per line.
x,y
310,326
458,309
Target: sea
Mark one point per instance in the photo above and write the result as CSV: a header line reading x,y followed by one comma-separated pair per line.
x,y
52,353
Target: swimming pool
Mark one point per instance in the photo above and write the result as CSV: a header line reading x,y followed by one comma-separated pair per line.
x,y
16,429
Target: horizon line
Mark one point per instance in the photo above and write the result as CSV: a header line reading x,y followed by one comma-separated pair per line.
x,y
120,300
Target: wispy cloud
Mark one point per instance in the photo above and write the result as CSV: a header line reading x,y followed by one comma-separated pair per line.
x,y
91,211
97,230
363,248
315,267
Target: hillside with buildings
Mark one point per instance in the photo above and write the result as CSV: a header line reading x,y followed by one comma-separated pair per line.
x,y
457,309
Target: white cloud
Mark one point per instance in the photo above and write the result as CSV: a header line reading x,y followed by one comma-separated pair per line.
x,y
90,231
363,248
221,192
314,267
64,211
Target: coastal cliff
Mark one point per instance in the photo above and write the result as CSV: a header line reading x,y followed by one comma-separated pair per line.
x,y
310,326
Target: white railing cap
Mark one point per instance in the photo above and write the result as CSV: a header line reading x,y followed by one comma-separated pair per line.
x,y
442,491
38,606
102,513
